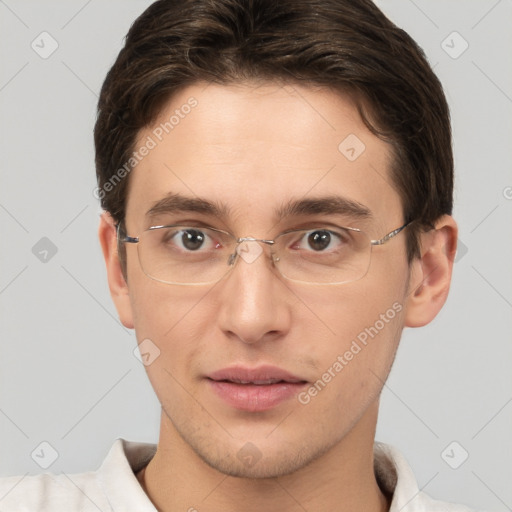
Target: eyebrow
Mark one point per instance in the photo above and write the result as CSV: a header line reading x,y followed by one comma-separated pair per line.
x,y
330,205
175,203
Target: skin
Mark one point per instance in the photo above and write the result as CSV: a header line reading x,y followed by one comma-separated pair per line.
x,y
253,147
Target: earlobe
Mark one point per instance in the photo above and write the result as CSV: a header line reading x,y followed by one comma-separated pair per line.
x,y
431,273
116,281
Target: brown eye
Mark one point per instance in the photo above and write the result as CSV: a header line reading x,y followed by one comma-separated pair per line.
x,y
187,239
192,239
319,240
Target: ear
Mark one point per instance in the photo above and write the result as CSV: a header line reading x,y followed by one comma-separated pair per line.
x,y
431,274
116,282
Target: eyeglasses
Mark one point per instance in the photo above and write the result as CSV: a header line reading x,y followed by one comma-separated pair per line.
x,y
194,255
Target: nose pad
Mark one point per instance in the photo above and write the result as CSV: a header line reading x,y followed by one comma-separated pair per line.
x,y
232,259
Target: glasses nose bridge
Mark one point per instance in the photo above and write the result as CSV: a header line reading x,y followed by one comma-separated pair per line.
x,y
233,257
252,239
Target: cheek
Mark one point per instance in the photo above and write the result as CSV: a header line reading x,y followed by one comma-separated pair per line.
x,y
173,318
170,318
361,324
364,334
161,309
353,364
340,314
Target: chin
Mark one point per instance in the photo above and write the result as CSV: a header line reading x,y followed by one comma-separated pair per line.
x,y
259,459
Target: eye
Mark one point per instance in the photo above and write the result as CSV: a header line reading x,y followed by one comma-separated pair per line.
x,y
189,239
321,240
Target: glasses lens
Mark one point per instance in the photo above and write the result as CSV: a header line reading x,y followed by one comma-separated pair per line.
x,y
324,255
185,254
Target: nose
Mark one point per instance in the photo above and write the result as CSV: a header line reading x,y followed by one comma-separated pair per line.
x,y
254,304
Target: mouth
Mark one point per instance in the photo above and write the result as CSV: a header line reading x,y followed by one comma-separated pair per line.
x,y
257,382
257,389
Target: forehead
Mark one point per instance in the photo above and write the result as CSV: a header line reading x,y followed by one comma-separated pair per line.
x,y
255,147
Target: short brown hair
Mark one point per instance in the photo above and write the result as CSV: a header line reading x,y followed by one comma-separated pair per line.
x,y
347,45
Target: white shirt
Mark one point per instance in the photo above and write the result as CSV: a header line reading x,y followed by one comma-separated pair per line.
x,y
114,486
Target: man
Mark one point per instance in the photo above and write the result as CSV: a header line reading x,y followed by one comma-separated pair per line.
x,y
277,183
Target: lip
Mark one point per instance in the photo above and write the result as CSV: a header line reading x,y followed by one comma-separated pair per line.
x,y
255,389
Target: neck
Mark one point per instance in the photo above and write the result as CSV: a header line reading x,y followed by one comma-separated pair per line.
x,y
341,479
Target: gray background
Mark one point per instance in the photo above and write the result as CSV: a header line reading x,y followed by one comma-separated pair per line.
x,y
68,375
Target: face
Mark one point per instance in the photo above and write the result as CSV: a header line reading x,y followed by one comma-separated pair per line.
x,y
257,365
